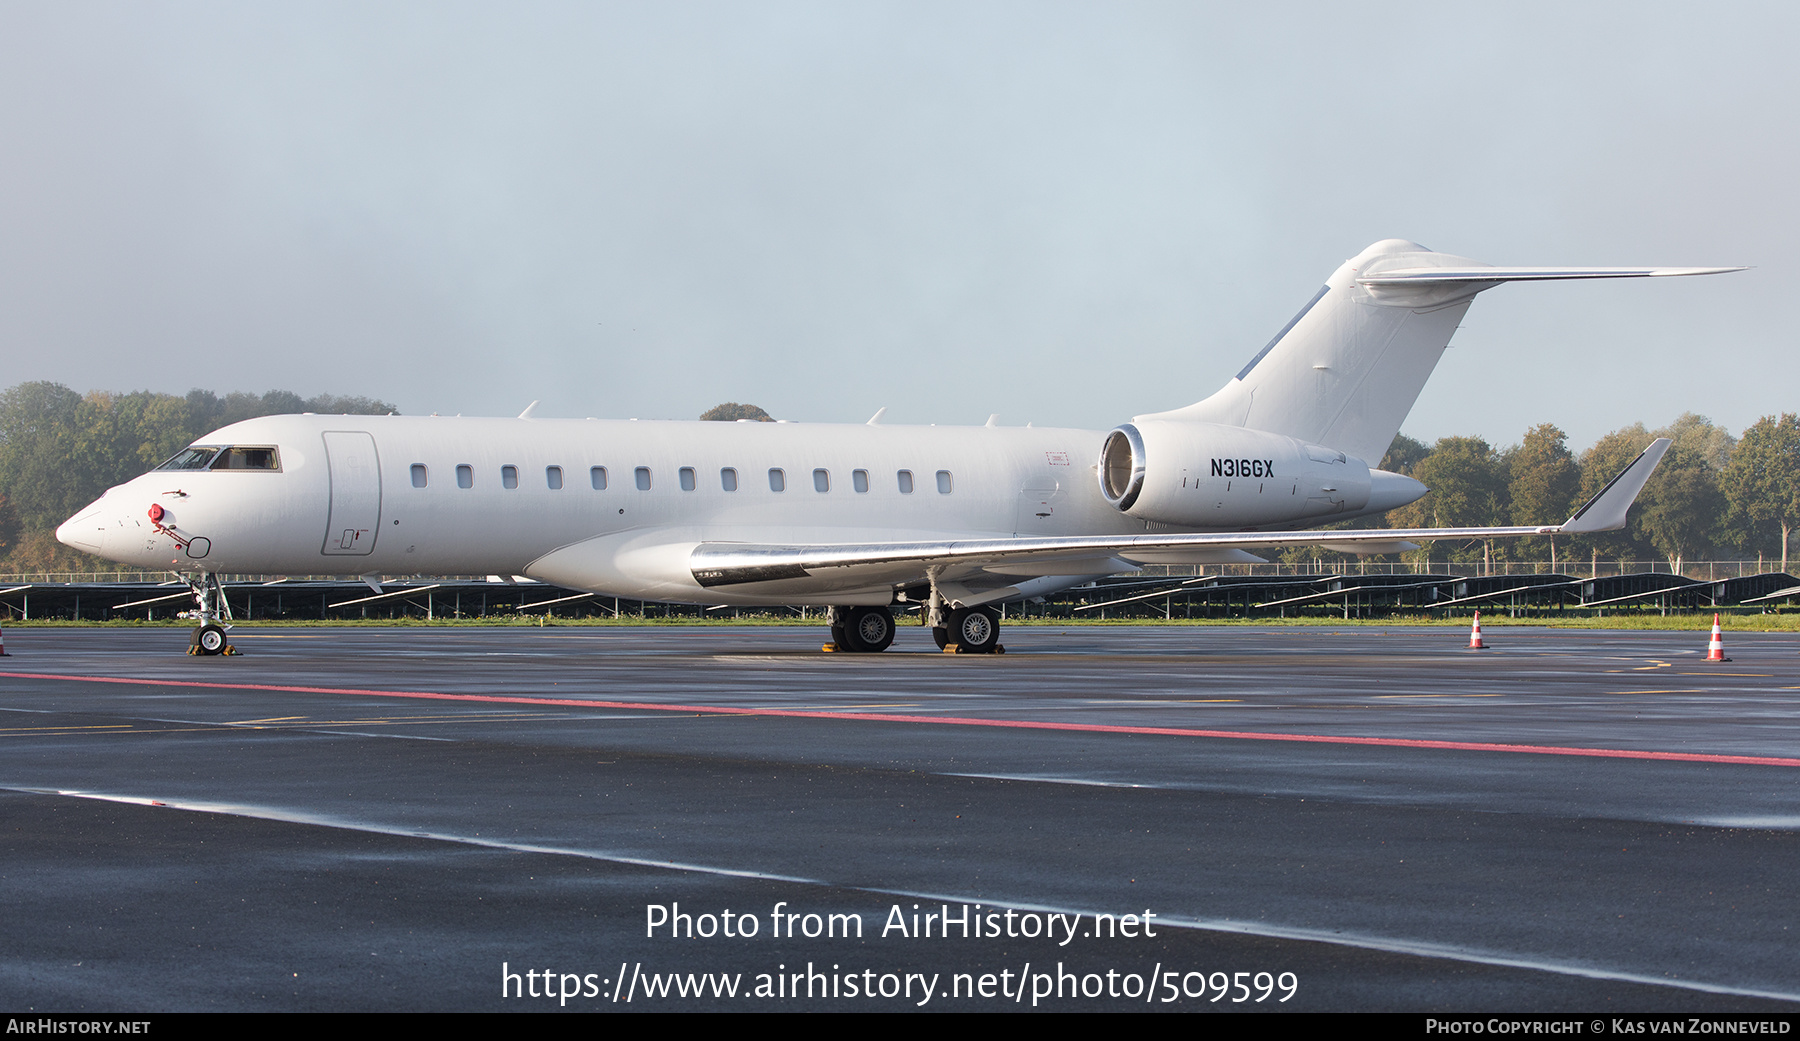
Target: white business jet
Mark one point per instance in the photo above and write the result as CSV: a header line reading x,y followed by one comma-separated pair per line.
x,y
857,517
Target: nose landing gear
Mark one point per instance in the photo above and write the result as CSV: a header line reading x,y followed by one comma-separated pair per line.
x,y
209,639
213,611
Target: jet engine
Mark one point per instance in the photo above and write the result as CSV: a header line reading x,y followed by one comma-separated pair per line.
x,y
1205,475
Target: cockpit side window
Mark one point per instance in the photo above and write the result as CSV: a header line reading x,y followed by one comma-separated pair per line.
x,y
247,458
194,457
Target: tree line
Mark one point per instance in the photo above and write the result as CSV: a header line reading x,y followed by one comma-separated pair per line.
x,y
1715,495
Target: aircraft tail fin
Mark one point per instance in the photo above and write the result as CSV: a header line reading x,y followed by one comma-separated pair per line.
x,y
1346,370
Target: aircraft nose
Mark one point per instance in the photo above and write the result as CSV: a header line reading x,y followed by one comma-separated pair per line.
x,y
86,531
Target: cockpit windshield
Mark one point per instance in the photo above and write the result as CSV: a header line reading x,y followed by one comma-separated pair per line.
x,y
258,458
237,457
194,457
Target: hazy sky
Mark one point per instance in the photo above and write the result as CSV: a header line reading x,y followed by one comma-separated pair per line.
x,y
1063,213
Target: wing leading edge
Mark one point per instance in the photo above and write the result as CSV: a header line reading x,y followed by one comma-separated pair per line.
x,y
716,564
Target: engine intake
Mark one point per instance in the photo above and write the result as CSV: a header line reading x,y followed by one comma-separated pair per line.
x,y
1122,467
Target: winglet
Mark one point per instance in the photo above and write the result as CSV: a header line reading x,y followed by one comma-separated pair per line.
x,y
1606,511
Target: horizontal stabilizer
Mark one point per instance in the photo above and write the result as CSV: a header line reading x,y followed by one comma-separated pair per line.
x,y
1606,511
1418,276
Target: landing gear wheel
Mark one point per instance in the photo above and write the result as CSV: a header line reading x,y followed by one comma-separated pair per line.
x,y
868,629
977,629
941,635
208,639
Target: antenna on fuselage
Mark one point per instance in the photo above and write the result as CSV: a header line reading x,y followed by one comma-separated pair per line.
x,y
875,420
528,410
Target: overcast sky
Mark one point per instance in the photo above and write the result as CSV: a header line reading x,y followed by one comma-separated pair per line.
x,y
1062,213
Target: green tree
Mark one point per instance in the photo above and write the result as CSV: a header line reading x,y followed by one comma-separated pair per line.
x,y
1468,482
1600,464
1699,440
731,411
1404,454
9,526
1761,484
1679,513
37,427
1544,481
1680,509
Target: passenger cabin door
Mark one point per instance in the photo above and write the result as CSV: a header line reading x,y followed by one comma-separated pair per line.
x,y
355,516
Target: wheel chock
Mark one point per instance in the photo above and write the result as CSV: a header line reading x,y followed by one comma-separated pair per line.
x,y
830,648
999,648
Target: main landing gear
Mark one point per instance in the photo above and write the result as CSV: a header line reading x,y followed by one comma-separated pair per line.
x,y
214,614
973,630
966,630
862,629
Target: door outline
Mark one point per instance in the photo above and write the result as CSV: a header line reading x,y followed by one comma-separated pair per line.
x,y
353,521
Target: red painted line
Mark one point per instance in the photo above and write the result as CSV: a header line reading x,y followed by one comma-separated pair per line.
x,y
1093,728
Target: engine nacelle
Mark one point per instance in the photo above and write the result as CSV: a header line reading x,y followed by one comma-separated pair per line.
x,y
1204,475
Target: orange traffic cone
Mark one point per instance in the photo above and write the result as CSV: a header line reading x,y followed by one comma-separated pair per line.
x,y
1475,643
1715,648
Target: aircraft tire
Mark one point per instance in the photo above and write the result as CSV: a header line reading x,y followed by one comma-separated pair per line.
x,y
942,635
210,639
977,629
869,629
841,637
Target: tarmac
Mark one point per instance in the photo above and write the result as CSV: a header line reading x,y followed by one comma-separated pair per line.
x,y
483,819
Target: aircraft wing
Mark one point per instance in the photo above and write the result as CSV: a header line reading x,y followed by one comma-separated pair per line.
x,y
724,564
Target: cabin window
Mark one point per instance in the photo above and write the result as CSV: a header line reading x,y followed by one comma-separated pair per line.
x,y
643,478
943,482
905,482
247,459
553,477
597,475
509,477
859,479
777,480
728,479
686,474
821,480
465,475
418,475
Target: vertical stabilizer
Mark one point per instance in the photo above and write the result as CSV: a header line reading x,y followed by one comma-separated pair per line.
x,y
1347,369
